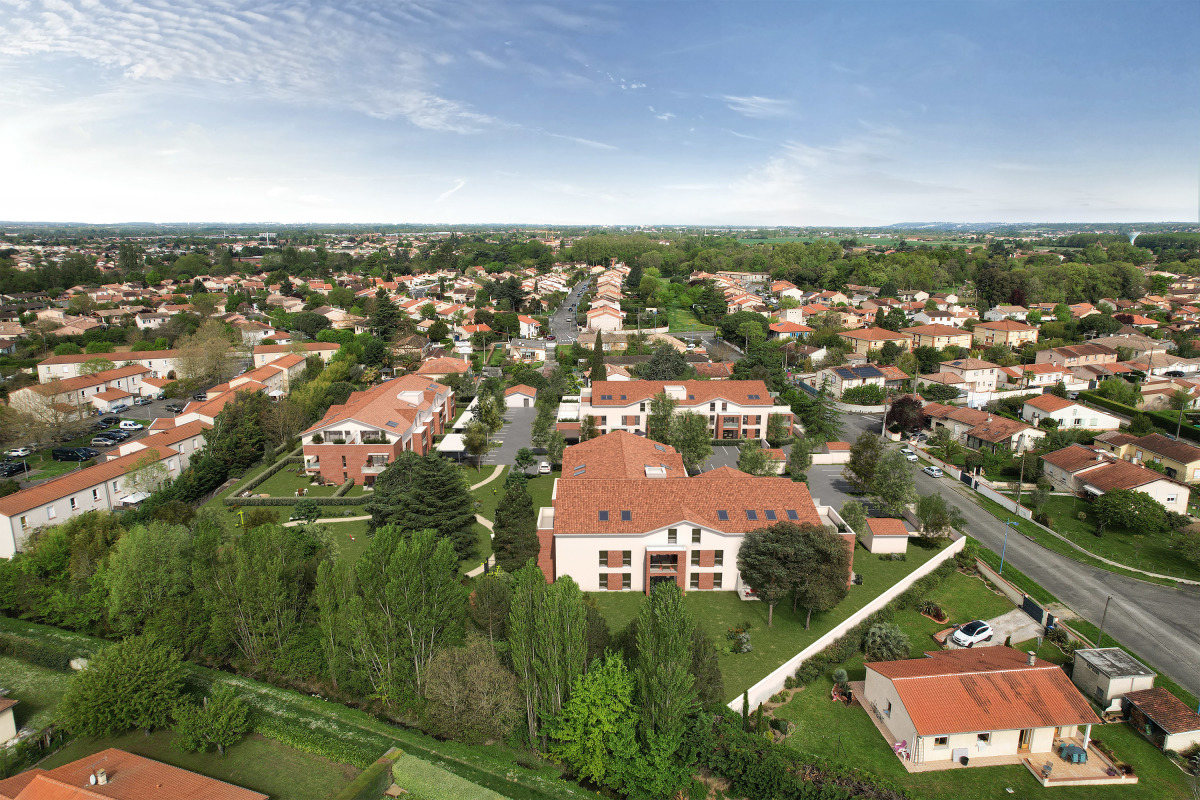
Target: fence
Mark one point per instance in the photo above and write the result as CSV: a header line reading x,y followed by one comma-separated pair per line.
x,y
824,459
762,691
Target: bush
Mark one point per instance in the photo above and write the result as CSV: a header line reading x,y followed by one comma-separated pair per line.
x,y
864,395
345,487
886,642
840,675
372,782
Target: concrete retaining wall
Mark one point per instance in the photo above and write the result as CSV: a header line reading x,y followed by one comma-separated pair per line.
x,y
762,691
996,579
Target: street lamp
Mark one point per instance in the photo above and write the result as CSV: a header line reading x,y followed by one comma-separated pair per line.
x,y
1004,549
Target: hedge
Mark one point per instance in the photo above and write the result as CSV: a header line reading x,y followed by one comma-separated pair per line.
x,y
291,501
373,781
1162,419
345,487
271,470
44,646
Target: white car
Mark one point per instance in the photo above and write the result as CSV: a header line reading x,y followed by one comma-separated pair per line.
x,y
936,472
972,632
544,468
909,454
130,425
19,452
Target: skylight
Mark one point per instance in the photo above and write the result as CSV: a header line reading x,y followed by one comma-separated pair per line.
x,y
752,396
393,424
604,516
770,514
791,512
660,447
723,515
626,516
751,514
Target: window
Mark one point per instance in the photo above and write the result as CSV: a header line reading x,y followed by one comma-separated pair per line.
x,y
724,406
95,494
626,580
626,516
1170,498
24,524
718,558
941,741
114,483
751,514
73,503
694,581
983,737
672,535
712,406
604,558
723,515
626,558
695,536
888,709
752,396
604,516
50,512
770,515
343,461
791,514
642,407
695,558
716,580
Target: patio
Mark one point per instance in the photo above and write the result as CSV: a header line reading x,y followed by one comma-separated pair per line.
x,y
1096,772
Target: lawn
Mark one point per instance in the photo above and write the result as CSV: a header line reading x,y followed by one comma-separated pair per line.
x,y
682,320
846,735
1152,552
286,482
717,612
426,781
37,689
256,763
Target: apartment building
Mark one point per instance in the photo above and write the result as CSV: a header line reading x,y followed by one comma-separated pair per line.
x,y
103,487
359,439
977,375
82,395
1078,355
863,341
160,363
734,409
938,336
625,516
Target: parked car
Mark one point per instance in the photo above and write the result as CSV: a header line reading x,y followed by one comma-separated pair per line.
x,y
972,632
73,453
142,401
550,338
19,452
120,436
201,396
130,425
102,441
10,468
174,408
909,455
110,421
119,407
936,472
544,468
1075,395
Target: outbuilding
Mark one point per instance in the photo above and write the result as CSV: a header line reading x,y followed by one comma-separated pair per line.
x,y
520,396
885,536
1164,719
1105,674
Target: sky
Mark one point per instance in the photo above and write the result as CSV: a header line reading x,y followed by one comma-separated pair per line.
x,y
708,113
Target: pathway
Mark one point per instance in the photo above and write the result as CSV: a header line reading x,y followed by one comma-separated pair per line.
x,y
328,519
495,474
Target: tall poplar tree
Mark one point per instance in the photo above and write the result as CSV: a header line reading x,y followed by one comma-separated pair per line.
x,y
515,538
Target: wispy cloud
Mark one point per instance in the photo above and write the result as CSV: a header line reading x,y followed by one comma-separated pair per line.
x,y
584,142
665,116
741,135
757,107
460,183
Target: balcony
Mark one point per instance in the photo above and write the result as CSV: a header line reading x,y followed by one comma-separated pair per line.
x,y
374,466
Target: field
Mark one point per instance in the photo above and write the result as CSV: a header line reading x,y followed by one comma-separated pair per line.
x,y
37,689
682,320
846,735
255,763
717,612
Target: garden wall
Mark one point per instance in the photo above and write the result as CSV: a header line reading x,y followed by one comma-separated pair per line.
x,y
1007,589
762,691
821,459
1008,503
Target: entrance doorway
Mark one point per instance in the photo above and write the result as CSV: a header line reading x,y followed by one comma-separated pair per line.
x,y
1025,741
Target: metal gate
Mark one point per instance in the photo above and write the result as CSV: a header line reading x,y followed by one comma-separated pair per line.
x,y
1030,607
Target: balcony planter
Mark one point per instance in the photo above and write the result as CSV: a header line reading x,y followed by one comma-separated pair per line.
x,y
318,439
338,441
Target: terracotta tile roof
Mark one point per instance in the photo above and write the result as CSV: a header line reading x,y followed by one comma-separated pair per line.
x,y
1162,446
1043,369
984,689
936,330
444,366
892,373
1050,403
874,335
943,377
158,383
970,363
1076,457
112,394
881,526
7,702
98,378
998,430
130,777
658,502
837,447
619,454
1165,709
76,481
790,327
1115,438
1124,475
522,388
1077,350
118,358
382,404
746,393
1005,325
172,436
967,416
312,347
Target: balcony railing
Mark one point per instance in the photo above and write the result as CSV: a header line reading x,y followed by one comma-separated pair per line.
x,y
374,467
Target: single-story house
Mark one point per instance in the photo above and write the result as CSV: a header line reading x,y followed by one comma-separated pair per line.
x,y
1163,718
986,701
520,396
1069,414
1105,674
885,535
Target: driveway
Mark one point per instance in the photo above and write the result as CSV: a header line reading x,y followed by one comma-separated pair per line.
x,y
1159,623
1015,624
516,433
723,456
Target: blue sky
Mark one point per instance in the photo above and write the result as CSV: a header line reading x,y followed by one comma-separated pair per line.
x,y
771,113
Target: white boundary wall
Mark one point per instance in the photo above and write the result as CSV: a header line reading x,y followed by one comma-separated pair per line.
x,y
762,691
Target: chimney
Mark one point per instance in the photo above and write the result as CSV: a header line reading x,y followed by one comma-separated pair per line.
x,y
1099,456
101,777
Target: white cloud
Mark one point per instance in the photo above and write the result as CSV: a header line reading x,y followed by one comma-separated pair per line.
x,y
757,107
458,184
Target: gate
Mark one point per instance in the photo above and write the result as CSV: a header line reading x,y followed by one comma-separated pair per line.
x,y
1030,607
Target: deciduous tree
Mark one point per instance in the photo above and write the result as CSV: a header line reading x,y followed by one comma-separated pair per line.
x,y
753,459
131,684
893,486
864,460
593,735
470,696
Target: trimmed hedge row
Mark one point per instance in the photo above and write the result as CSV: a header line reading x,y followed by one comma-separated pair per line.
x,y
271,470
44,646
345,487
374,780
291,501
1164,420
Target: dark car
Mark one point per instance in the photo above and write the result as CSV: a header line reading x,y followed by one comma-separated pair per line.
x,y
201,396
174,408
109,421
73,453
120,436
10,468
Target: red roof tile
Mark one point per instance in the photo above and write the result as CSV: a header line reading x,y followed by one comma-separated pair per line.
x,y
1049,403
76,481
1165,709
695,392
619,454
881,526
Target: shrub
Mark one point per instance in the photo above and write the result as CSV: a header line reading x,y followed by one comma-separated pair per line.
x,y
1042,518
789,682
840,676
886,642
345,487
778,697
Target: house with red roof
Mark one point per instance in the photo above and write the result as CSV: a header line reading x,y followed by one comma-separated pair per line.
x,y
529,326
520,396
1067,414
734,409
1093,471
626,516
789,330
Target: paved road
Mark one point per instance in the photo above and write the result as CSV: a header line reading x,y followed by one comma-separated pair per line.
x,y
1159,623
562,322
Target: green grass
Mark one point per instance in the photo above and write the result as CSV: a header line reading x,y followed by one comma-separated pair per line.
x,y
286,482
426,781
487,497
717,612
682,320
351,538
255,763
846,735
37,689
1154,553
1051,542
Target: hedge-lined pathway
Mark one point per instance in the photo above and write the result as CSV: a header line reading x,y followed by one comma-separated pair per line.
x,y
329,519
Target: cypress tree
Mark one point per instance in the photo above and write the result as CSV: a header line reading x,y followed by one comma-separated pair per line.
x,y
515,533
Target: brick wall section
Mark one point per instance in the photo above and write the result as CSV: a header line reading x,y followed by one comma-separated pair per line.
x,y
706,581
614,582
680,570
546,554
708,559
614,560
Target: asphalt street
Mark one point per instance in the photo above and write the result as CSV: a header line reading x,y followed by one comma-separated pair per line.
x,y
1160,623
562,322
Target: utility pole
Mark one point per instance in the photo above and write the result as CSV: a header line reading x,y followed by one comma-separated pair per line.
x,y
1103,617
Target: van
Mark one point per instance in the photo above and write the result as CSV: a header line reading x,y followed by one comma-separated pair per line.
x,y
130,425
73,453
